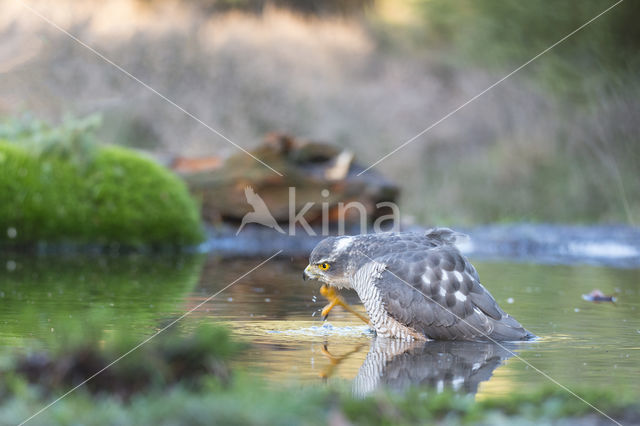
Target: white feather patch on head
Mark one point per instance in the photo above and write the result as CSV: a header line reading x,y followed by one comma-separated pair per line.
x,y
343,243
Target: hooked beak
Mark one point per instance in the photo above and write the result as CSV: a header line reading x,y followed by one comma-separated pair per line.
x,y
307,274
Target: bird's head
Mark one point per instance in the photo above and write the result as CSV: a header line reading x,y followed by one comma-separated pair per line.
x,y
329,262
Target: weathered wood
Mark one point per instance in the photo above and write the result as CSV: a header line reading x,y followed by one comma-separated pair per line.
x,y
309,167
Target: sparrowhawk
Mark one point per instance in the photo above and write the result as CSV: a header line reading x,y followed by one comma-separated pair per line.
x,y
413,286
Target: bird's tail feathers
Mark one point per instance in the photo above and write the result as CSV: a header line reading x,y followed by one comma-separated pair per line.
x,y
445,235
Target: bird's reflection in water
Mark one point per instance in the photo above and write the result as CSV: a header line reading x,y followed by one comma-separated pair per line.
x,y
399,365
336,360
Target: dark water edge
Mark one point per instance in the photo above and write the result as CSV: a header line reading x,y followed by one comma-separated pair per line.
x,y
603,245
600,245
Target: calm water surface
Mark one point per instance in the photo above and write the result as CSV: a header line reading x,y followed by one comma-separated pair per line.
x,y
581,343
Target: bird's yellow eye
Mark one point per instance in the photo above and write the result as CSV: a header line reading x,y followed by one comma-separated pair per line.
x,y
324,266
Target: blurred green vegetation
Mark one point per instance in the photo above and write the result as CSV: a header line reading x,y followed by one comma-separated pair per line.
x,y
504,34
171,357
248,402
571,153
58,185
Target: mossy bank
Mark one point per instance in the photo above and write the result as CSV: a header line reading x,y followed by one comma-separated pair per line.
x,y
117,197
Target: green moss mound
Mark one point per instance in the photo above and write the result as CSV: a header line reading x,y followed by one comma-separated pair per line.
x,y
116,198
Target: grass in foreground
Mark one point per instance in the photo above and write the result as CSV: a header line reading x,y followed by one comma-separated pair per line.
x,y
247,401
186,379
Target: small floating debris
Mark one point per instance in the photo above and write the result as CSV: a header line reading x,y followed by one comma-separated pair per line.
x,y
598,296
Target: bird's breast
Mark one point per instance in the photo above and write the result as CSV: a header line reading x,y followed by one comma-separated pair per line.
x,y
383,323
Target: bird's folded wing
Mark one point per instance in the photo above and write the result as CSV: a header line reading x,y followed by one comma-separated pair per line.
x,y
439,294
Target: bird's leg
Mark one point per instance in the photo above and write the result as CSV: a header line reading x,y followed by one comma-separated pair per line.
x,y
334,299
332,296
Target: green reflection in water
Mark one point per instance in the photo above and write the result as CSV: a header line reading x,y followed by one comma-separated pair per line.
x,y
42,298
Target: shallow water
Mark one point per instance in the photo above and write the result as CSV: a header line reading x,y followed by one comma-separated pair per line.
x,y
581,343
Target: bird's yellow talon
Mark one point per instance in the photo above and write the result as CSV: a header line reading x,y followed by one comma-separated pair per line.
x,y
327,309
334,299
